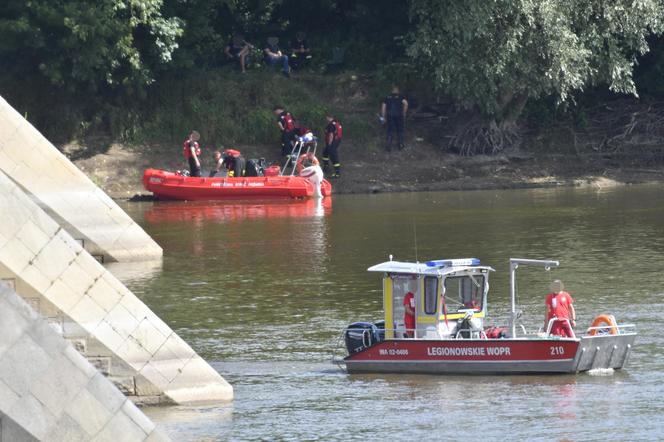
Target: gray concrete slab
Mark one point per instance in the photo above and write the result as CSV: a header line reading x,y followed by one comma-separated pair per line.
x,y
49,392
67,194
108,323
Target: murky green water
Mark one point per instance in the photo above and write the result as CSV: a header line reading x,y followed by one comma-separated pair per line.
x,y
262,291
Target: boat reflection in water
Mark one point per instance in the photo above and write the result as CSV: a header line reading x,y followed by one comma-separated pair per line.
x,y
198,211
204,226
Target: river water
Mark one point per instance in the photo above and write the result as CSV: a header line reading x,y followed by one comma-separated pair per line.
x,y
262,290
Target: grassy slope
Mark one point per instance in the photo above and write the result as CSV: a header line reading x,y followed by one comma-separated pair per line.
x,y
231,109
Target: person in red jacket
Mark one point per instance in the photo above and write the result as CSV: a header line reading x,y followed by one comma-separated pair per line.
x,y
559,305
409,314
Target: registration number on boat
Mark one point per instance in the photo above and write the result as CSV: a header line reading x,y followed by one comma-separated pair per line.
x,y
393,352
557,350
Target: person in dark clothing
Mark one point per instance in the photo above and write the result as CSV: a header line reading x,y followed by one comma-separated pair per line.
x,y
393,110
274,56
300,51
333,134
238,48
286,124
192,152
232,160
218,164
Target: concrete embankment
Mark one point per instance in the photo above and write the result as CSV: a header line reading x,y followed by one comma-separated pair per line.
x,y
54,219
49,392
67,194
107,322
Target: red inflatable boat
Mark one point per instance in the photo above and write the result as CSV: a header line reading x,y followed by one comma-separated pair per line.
x,y
169,185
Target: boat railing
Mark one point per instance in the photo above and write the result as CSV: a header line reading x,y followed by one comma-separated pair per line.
x,y
371,337
302,145
552,321
620,329
471,333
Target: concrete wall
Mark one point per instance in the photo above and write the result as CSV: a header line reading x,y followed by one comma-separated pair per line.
x,y
107,322
49,392
74,201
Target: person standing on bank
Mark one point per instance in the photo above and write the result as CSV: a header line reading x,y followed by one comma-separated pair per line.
x,y
286,124
393,110
192,152
333,134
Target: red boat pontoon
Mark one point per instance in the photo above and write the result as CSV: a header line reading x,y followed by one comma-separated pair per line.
x,y
169,185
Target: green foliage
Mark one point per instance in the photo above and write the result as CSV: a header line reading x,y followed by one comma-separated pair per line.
x,y
85,45
493,56
153,69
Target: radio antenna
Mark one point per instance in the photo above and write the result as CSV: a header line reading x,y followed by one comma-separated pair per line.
x,y
415,236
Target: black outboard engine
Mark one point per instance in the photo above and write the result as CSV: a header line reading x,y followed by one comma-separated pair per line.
x,y
255,167
360,335
380,325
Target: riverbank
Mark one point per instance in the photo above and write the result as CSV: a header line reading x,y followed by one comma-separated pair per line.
x,y
603,141
118,169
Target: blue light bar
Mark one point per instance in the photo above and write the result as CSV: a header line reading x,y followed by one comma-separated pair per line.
x,y
453,262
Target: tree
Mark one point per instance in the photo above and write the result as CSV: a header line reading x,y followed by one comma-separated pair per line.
x,y
82,45
492,56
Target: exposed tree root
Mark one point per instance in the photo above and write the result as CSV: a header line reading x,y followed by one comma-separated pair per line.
x,y
479,137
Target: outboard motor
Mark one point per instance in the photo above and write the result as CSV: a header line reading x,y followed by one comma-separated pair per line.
x,y
380,325
313,174
255,167
360,335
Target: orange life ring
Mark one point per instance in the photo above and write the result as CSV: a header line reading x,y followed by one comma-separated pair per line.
x,y
604,319
299,165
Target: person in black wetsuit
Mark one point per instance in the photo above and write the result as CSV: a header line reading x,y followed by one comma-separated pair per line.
x,y
333,134
393,111
286,123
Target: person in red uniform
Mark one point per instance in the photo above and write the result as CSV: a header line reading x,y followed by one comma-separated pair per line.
x,y
192,152
559,304
333,134
409,314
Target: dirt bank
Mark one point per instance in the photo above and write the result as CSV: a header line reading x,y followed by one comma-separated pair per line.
x,y
611,141
422,166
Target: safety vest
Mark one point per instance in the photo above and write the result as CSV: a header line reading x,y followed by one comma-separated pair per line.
x,y
186,149
338,130
231,153
287,121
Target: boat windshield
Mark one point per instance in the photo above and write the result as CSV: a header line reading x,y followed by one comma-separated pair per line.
x,y
464,292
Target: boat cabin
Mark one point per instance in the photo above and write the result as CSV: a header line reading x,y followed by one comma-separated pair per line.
x,y
450,297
